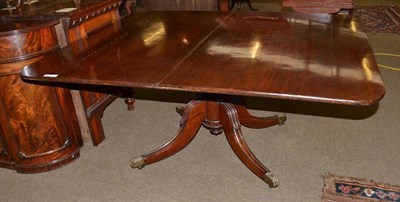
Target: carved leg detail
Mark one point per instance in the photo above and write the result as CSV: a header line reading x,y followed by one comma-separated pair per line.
x,y
251,121
233,133
191,121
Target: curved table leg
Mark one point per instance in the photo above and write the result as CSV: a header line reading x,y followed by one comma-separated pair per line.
x,y
233,133
191,121
251,121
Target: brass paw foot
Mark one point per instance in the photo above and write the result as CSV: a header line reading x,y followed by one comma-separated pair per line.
x,y
282,119
137,163
271,180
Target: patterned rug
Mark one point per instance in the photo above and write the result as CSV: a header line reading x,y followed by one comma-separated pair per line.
x,y
379,19
348,189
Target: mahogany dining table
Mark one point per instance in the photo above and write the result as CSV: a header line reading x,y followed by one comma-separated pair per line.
x,y
225,56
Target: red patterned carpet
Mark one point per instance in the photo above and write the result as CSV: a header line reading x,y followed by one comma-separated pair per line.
x,y
349,189
379,19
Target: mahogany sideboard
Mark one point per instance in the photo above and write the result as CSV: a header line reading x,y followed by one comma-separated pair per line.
x,y
80,20
42,127
39,130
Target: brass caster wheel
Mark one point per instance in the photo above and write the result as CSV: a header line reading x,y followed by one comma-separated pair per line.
x,y
137,163
271,180
282,119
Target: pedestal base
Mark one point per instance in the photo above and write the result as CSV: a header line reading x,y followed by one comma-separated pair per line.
x,y
217,116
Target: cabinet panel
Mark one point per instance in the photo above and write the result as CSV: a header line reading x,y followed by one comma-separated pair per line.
x,y
39,130
31,109
35,129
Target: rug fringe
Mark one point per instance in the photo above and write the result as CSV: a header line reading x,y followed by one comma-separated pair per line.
x,y
330,193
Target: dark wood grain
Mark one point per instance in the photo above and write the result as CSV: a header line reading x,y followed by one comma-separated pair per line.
x,y
215,116
91,23
317,58
38,125
157,5
143,53
190,123
23,39
234,135
300,59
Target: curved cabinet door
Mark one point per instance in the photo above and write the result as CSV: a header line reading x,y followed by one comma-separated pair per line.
x,y
39,130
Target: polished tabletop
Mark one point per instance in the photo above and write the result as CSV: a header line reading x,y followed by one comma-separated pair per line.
x,y
309,57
